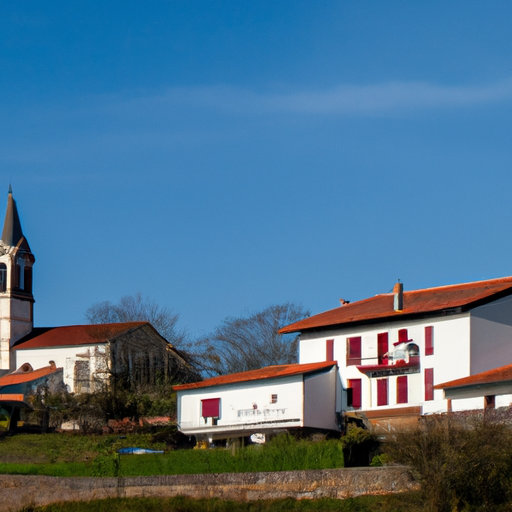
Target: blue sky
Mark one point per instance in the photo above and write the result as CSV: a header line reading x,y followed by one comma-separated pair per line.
x,y
220,157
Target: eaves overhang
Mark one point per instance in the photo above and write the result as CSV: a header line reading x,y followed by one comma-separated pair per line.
x,y
395,316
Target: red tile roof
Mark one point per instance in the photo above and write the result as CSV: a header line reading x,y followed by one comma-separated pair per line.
x,y
19,378
429,300
74,335
270,372
502,374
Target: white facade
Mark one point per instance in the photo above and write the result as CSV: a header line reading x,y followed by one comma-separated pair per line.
x,y
261,406
85,367
464,343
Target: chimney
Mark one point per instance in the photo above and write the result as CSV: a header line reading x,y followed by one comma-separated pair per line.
x,y
398,291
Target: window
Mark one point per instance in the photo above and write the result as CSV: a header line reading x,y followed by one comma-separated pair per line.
x,y
354,350
429,383
401,390
3,277
329,350
27,284
273,399
429,341
82,378
403,336
413,353
382,392
17,274
354,393
382,347
489,402
210,408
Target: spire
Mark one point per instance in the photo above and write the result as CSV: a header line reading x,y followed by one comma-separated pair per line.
x,y
12,232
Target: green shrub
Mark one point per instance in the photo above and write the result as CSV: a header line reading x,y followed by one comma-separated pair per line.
x,y
359,445
463,463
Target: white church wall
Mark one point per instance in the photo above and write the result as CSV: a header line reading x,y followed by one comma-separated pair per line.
x,y
75,360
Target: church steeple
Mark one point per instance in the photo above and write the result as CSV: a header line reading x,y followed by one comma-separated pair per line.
x,y
16,299
12,232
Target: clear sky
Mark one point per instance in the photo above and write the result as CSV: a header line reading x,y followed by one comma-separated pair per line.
x,y
223,156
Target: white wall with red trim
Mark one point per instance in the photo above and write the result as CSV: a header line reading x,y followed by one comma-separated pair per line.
x,y
464,343
242,405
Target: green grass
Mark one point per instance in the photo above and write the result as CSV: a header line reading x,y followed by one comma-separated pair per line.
x,y
410,502
65,455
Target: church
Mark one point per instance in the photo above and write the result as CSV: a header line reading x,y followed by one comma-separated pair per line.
x,y
78,358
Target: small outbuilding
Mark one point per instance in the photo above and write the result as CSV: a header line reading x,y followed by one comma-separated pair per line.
x,y
268,400
493,387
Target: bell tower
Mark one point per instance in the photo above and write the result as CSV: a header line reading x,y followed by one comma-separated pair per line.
x,y
16,299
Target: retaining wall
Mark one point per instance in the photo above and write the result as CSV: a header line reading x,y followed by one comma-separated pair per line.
x,y
17,491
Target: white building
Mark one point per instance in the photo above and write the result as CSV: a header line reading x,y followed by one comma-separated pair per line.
x,y
393,349
269,400
91,356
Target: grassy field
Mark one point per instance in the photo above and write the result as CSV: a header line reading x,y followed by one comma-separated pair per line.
x,y
410,502
76,455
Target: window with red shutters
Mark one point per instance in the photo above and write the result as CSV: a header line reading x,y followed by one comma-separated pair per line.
x,y
210,408
382,347
429,340
354,394
401,390
429,383
403,336
382,392
354,350
329,350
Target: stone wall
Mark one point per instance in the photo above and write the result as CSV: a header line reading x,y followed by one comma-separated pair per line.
x,y
17,491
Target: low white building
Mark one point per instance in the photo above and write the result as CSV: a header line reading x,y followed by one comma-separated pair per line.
x,y
133,353
391,350
269,400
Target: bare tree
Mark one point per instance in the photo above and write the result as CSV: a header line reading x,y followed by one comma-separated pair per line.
x,y
252,342
137,308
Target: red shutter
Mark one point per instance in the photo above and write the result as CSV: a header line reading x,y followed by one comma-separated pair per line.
x,y
401,390
355,386
402,335
382,392
429,383
429,341
329,350
354,350
383,347
210,408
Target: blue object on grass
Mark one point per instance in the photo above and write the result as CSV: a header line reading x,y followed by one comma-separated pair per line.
x,y
137,451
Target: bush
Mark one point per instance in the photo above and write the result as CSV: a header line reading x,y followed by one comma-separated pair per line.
x,y
359,445
462,462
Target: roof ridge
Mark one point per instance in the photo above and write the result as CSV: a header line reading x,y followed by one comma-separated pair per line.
x,y
137,322
495,280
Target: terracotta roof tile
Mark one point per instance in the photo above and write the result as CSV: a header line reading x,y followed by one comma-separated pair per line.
x,y
74,335
269,372
19,378
502,374
428,300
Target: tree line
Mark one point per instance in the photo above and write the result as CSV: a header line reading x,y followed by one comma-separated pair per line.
x,y
238,344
